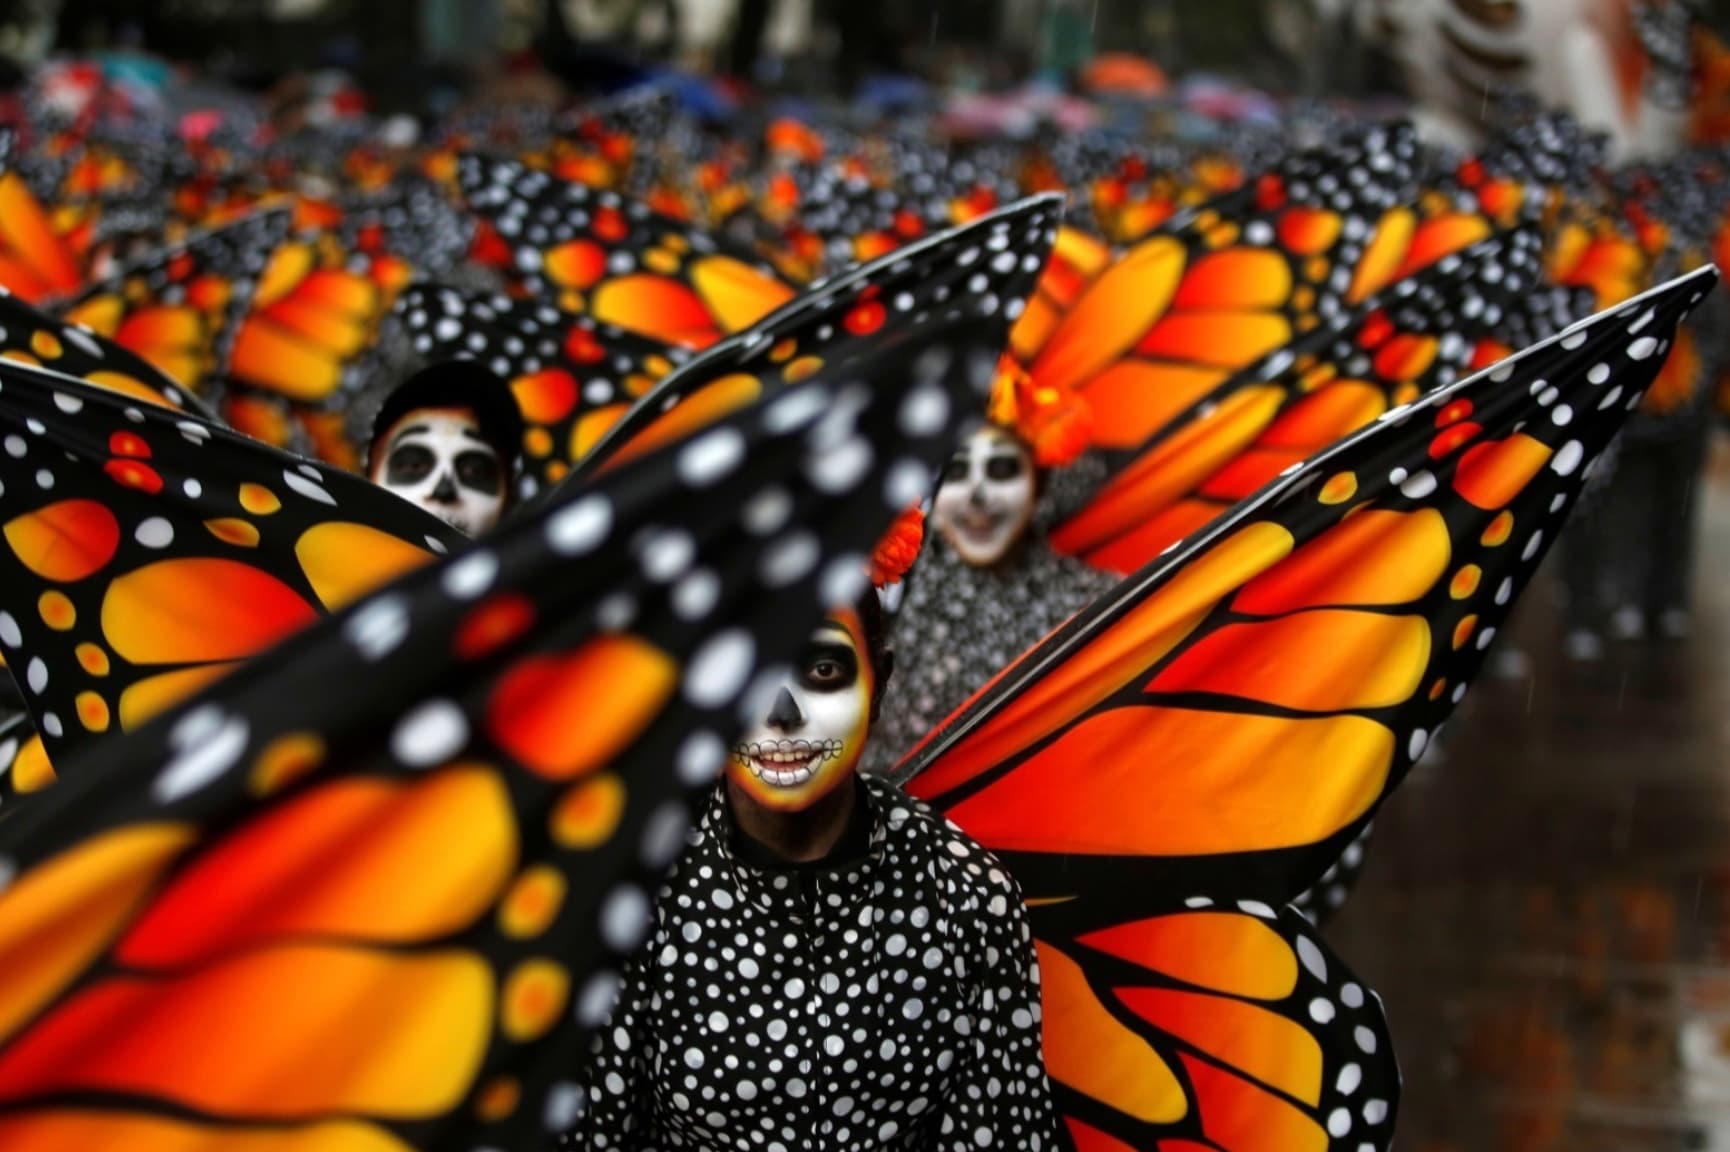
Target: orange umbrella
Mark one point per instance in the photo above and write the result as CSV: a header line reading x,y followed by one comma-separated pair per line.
x,y
1123,74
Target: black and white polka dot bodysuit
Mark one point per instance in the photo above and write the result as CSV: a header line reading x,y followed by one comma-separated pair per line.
x,y
888,1002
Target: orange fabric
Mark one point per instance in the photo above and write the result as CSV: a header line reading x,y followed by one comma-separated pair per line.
x,y
618,683
1229,952
357,859
1251,774
1090,1051
1373,558
1113,657
1278,1052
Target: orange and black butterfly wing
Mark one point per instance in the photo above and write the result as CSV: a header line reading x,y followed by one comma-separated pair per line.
x,y
1425,332
611,144
1520,177
572,377
1329,893
297,354
1077,259
31,336
37,262
24,766
177,307
844,215
386,844
1228,720
146,551
985,268
613,259
1220,287
412,219
1202,1025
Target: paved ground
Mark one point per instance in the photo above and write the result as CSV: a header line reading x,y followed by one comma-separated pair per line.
x,y
1547,911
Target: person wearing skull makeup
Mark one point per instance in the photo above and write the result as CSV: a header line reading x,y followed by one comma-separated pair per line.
x,y
447,439
831,964
988,585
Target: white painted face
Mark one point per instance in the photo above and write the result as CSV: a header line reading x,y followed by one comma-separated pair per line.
x,y
437,458
815,731
986,500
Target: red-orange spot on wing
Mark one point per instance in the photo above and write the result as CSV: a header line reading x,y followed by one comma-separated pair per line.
x,y
1246,278
618,683
547,396
577,264
68,540
493,624
1406,357
198,609
656,306
1440,237
1491,474
1309,231
132,474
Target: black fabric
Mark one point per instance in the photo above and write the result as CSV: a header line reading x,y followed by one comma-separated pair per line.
x,y
889,1003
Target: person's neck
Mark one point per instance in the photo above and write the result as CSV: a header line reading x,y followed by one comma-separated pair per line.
x,y
796,837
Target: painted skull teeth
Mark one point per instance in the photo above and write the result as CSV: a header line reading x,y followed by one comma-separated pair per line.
x,y
786,763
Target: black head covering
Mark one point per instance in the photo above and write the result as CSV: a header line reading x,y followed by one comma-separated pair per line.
x,y
456,384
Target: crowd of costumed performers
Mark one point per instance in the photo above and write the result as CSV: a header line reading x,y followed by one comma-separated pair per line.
x,y
590,628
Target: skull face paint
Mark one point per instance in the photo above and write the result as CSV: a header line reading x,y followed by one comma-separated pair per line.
x,y
438,459
986,499
814,734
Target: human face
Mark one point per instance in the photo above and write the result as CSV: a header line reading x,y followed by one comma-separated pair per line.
x,y
437,458
986,500
814,734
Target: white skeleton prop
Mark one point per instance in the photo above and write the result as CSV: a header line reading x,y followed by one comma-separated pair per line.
x,y
1459,54
986,500
438,459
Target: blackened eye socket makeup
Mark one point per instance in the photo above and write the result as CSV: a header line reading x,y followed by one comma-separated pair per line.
x,y
830,667
408,464
1003,466
480,471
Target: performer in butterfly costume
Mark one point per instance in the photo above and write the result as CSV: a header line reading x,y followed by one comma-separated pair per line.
x,y
832,964
447,439
988,586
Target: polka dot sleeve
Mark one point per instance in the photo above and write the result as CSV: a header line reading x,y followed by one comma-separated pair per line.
x,y
619,1088
999,1097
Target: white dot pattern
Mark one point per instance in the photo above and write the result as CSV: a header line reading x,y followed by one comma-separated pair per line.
x,y
889,1001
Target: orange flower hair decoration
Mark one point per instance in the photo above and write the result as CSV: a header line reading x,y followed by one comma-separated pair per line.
x,y
1055,423
898,548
